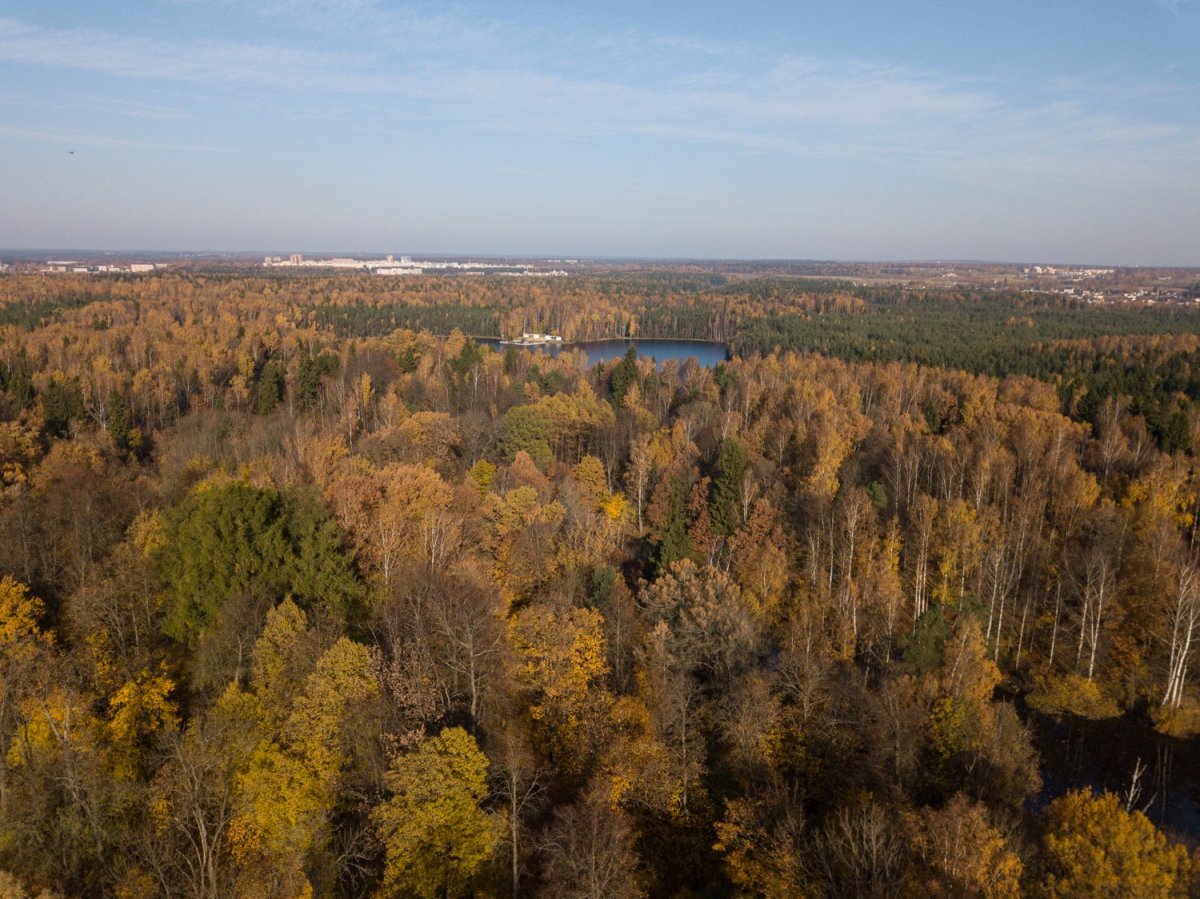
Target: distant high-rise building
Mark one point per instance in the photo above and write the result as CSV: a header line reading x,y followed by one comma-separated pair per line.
x,y
296,258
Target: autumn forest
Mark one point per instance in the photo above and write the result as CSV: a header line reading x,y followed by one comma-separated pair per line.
x,y
306,592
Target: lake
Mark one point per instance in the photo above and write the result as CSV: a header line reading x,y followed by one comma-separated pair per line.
x,y
707,354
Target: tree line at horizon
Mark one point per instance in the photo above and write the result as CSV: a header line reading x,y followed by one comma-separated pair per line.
x,y
290,613
1143,352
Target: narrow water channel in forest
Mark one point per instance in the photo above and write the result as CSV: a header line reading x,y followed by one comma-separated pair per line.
x,y
1104,755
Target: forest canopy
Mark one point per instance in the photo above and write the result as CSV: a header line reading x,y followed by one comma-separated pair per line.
x,y
306,592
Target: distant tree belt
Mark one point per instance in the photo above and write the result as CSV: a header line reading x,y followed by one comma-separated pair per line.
x,y
1147,354
29,315
374,321
698,322
978,334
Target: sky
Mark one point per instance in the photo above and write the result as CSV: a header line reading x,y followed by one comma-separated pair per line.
x,y
1009,131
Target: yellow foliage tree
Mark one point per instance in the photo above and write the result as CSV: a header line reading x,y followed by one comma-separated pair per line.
x,y
762,857
290,786
1094,847
139,710
436,835
560,662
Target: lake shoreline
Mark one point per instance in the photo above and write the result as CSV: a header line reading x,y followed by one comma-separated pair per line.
x,y
708,353
566,343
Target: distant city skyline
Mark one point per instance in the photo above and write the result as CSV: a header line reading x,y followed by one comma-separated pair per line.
x,y
1064,132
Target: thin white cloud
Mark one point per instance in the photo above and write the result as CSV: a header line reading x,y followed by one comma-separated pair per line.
x,y
756,104
76,138
665,88
199,61
411,27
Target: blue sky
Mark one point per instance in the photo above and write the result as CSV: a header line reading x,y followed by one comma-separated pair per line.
x,y
1050,131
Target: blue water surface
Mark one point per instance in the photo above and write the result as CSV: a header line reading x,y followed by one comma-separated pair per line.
x,y
706,353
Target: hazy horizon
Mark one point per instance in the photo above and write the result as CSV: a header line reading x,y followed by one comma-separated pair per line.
x,y
316,254
1068,134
